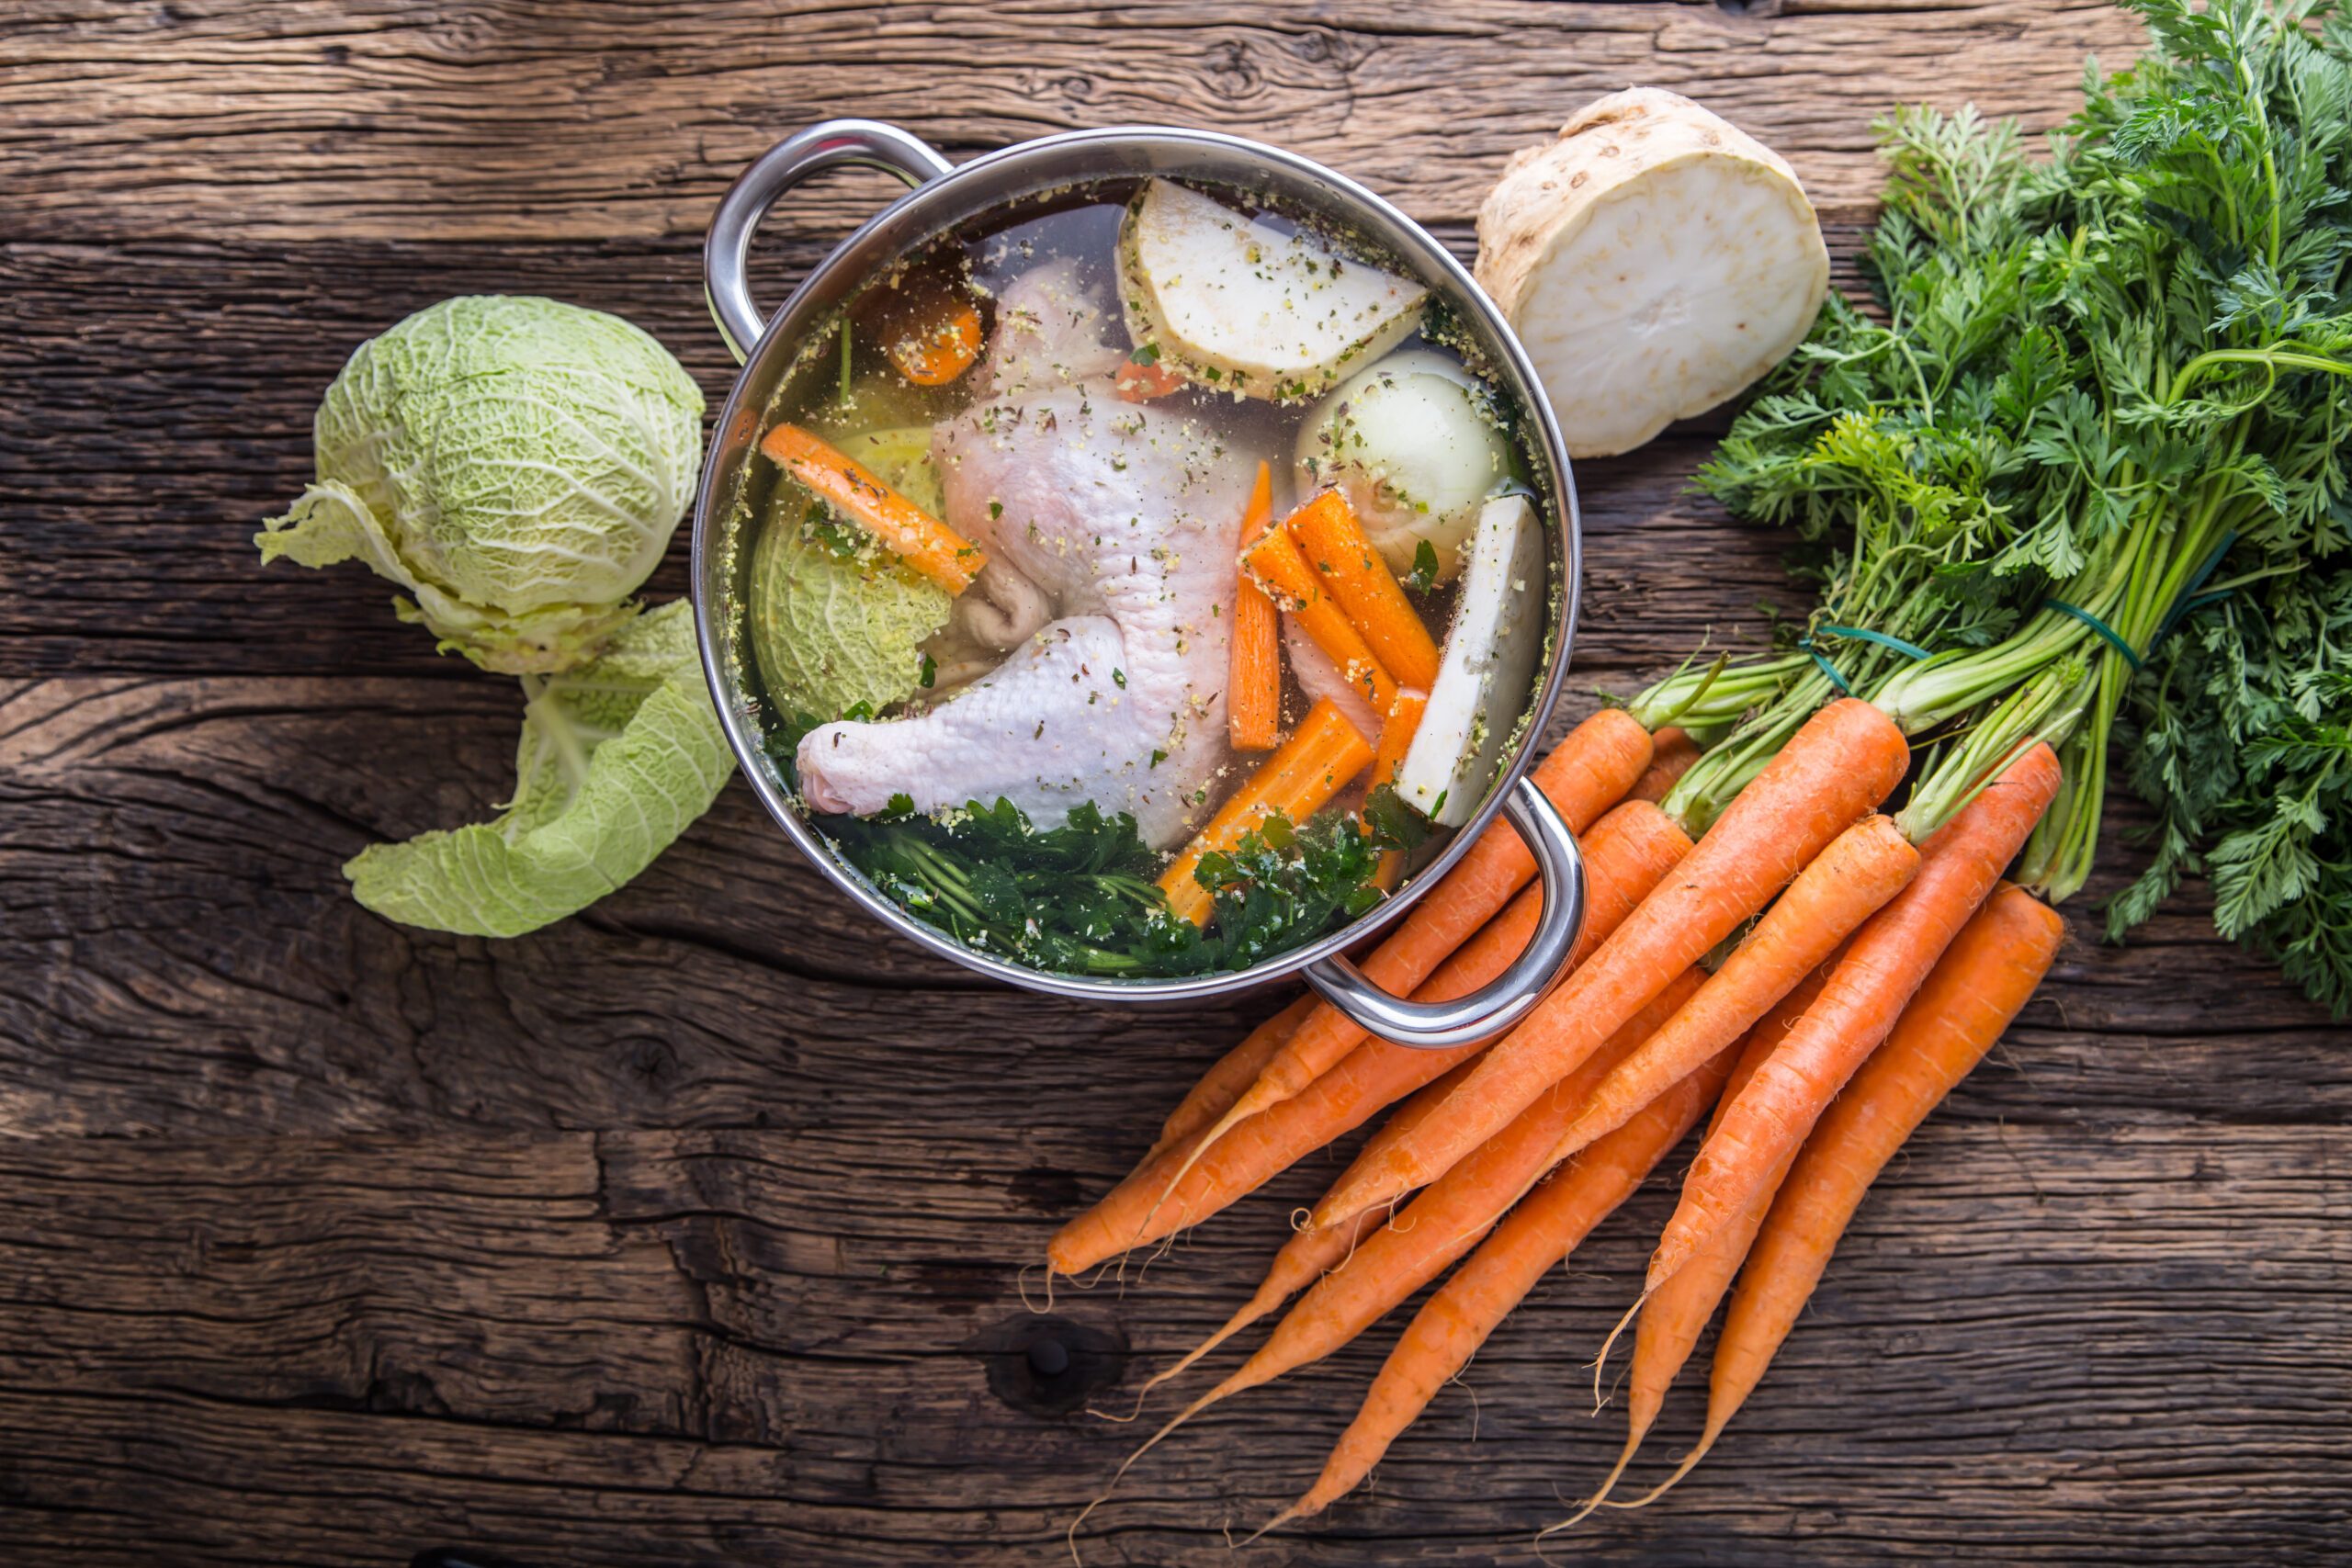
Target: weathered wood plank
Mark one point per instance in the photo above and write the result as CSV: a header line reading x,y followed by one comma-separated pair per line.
x,y
142,561
586,121
658,1347
179,953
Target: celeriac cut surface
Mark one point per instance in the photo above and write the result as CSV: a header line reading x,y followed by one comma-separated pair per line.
x,y
1654,261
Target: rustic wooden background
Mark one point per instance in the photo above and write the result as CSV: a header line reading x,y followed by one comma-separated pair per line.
x,y
688,1230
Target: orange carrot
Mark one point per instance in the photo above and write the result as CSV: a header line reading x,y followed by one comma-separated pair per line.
x,y
1141,383
1981,981
1233,1074
931,334
1546,1227
1336,546
1867,992
1439,1226
1320,758
1307,1256
1841,764
923,541
1584,776
1672,1320
1862,868
1446,1218
1396,732
1397,727
1627,853
1673,752
1274,561
1253,688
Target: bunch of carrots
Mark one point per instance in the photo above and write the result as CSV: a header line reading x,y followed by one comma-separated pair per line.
x,y
1874,967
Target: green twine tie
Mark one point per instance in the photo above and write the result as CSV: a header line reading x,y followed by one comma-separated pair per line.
x,y
1910,649
2192,601
2113,640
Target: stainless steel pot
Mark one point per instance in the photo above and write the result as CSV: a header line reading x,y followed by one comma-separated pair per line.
x,y
946,196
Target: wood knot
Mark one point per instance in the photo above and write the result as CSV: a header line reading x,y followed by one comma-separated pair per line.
x,y
1050,1366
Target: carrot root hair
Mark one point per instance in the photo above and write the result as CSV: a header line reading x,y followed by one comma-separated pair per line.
x,y
1601,1360
1219,1392
1021,1287
1706,1441
1295,1511
1256,1307
1601,1496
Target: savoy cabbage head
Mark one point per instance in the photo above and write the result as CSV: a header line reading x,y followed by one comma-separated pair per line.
x,y
516,464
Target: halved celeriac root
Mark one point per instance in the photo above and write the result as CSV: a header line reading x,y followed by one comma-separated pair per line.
x,y
1653,260
1484,674
1237,304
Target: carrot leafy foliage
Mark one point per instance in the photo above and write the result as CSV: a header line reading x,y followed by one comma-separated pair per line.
x,y
2077,471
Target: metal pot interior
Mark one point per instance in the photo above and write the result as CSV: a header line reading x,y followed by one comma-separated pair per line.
x,y
799,341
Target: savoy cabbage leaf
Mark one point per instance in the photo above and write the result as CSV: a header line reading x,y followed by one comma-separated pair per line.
x,y
619,756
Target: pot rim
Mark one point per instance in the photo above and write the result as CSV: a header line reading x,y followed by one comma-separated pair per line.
x,y
736,427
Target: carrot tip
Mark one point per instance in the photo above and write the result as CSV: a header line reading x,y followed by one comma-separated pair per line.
x,y
1608,1485
1020,1285
1297,1510
1600,1360
1706,1441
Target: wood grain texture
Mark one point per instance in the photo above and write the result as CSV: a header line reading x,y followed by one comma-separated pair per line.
x,y
692,1229
587,122
715,1346
134,497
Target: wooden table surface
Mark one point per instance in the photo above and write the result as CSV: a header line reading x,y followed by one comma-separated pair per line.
x,y
689,1230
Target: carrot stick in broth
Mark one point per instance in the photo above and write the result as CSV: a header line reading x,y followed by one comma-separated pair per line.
x,y
1282,572
1253,692
1337,547
1321,757
923,541
931,334
1396,732
1844,760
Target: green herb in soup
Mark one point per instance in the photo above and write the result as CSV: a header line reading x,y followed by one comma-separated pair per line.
x,y
1003,562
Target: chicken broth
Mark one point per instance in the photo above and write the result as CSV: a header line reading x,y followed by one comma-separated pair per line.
x,y
997,588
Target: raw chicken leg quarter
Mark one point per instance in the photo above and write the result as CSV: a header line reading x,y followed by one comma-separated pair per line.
x,y
1128,518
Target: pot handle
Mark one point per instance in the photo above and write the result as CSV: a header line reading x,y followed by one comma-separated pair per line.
x,y
1510,996
827,144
